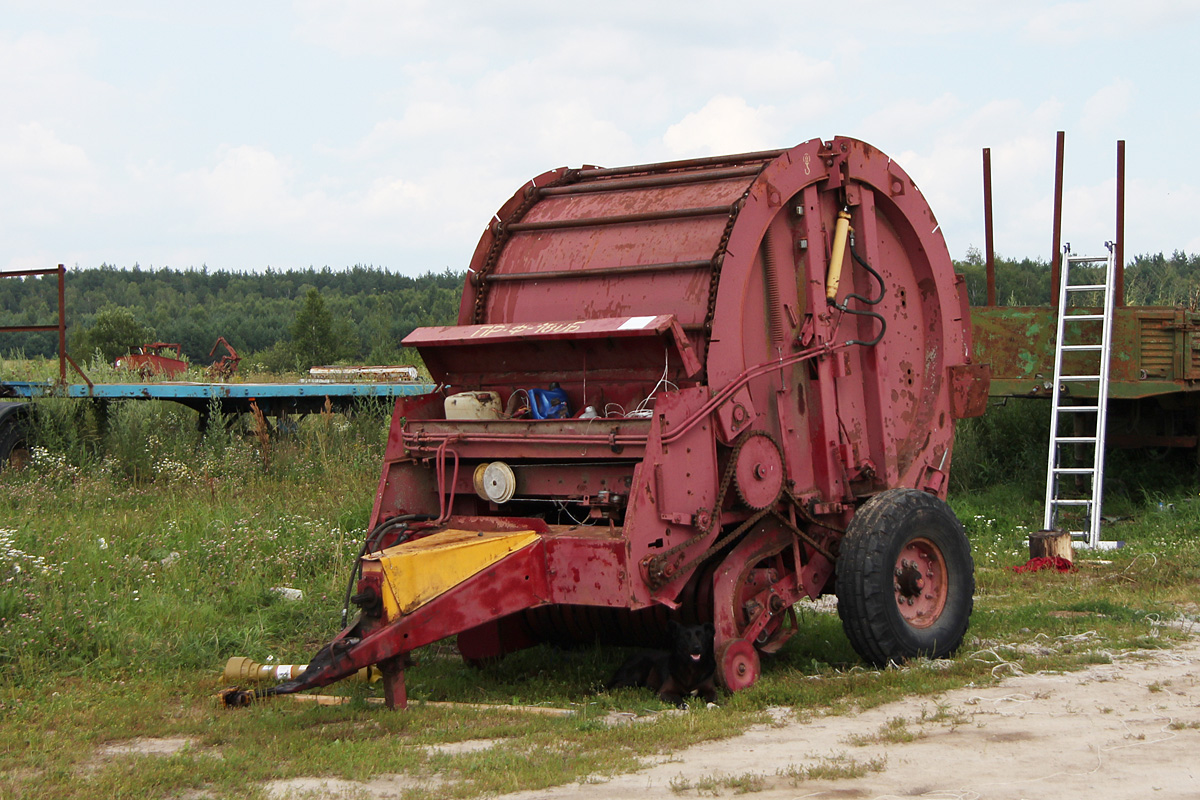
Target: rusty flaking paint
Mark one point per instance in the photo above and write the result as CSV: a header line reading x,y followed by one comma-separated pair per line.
x,y
711,392
1154,349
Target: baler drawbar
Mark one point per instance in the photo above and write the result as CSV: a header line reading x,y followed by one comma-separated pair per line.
x,y
697,390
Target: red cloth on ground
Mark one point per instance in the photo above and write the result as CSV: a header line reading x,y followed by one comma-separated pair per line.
x,y
1043,562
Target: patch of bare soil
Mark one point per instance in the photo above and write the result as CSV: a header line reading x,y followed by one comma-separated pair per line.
x,y
384,787
142,746
145,747
466,746
1130,729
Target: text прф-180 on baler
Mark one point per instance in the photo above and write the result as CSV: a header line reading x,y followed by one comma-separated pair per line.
x,y
699,390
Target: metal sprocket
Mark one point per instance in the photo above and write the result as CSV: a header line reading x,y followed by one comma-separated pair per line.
x,y
758,472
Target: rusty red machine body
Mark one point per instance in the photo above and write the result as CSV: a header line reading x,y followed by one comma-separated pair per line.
x,y
155,358
756,363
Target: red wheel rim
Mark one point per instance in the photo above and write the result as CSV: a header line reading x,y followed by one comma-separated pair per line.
x,y
919,581
738,665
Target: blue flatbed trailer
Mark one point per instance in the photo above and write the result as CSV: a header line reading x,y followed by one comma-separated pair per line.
x,y
279,400
273,399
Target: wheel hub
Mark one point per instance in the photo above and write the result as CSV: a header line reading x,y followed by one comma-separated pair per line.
x,y
920,583
737,665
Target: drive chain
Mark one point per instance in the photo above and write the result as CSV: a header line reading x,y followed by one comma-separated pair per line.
x,y
656,565
532,195
718,261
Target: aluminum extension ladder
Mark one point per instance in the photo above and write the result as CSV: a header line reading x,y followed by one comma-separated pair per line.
x,y
1074,492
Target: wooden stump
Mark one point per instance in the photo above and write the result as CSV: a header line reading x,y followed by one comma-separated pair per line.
x,y
1051,544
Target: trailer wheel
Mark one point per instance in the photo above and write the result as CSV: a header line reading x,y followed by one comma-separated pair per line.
x,y
14,445
905,578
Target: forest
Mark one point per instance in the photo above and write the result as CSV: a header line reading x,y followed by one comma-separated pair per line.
x,y
1150,280
369,310
285,320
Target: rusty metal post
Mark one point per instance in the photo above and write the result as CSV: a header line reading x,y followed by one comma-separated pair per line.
x,y
988,241
62,324
1056,253
1119,249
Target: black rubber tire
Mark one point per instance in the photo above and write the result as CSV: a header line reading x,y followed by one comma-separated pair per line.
x,y
13,442
866,588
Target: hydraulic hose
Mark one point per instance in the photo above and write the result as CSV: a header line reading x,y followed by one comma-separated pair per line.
x,y
373,538
867,300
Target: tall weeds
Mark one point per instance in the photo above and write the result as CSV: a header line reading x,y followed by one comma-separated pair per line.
x,y
134,541
1006,446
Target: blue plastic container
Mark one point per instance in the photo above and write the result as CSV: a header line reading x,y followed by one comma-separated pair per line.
x,y
548,403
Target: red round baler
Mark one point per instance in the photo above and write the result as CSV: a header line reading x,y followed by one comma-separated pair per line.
x,y
697,390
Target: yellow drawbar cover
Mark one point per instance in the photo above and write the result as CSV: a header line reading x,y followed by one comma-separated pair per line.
x,y
418,571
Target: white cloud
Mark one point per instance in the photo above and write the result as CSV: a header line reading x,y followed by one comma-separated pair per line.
x,y
1089,216
1161,203
46,179
44,78
248,188
381,28
35,150
1108,104
910,118
391,198
723,125
1090,20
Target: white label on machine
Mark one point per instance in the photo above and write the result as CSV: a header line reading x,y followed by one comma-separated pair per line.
x,y
636,323
284,672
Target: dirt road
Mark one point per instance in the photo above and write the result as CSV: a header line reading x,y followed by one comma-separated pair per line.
x,y
1130,729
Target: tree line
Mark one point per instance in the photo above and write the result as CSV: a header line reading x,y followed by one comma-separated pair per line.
x,y
361,314
1150,280
296,318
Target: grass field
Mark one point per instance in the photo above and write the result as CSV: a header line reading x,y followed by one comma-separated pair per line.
x,y
137,555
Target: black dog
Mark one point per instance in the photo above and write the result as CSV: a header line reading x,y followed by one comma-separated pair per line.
x,y
688,667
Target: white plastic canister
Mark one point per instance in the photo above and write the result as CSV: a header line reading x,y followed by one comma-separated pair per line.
x,y
473,405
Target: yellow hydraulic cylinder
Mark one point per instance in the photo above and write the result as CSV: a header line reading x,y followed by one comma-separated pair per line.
x,y
841,232
241,670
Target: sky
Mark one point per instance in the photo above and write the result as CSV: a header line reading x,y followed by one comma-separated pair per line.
x,y
246,135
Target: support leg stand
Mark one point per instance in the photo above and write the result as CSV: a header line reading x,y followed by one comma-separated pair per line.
x,y
394,693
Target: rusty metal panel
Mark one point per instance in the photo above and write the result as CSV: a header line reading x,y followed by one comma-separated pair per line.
x,y
969,385
586,566
1154,351
587,250
459,354
1192,355
726,407
1156,348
